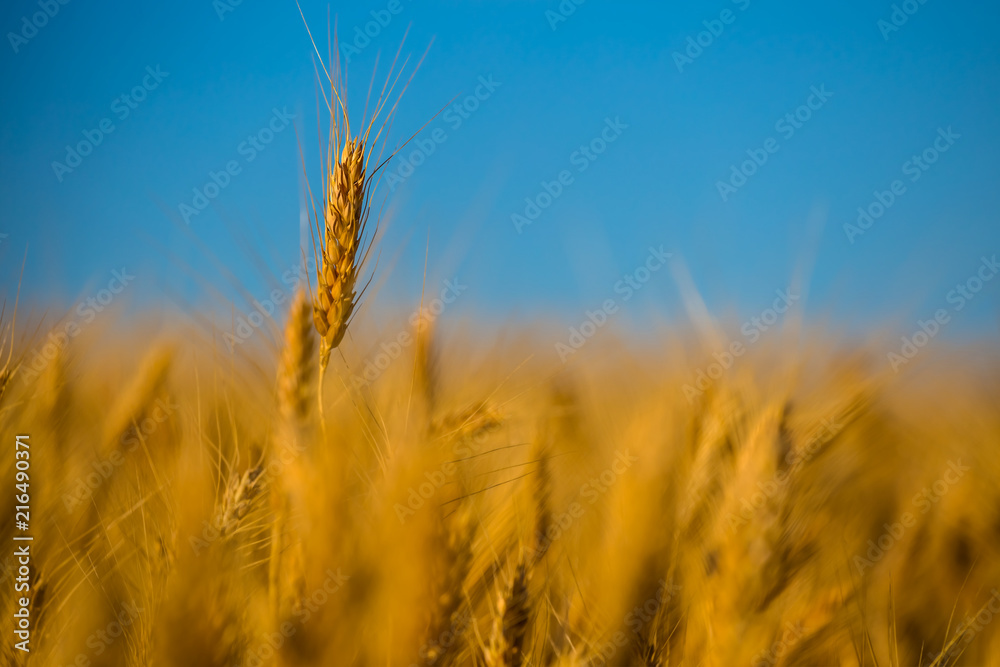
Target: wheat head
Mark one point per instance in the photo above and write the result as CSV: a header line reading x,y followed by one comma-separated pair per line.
x,y
344,217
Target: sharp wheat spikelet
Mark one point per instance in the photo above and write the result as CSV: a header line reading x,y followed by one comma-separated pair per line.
x,y
344,215
339,242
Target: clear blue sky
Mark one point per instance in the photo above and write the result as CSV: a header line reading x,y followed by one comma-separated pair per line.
x,y
656,183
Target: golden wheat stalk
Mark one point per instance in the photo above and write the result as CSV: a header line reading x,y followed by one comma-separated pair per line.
x,y
344,216
295,374
339,242
425,365
340,261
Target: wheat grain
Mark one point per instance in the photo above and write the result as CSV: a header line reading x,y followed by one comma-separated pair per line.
x,y
344,216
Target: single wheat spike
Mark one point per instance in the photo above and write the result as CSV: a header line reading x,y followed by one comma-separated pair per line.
x,y
339,240
344,220
344,217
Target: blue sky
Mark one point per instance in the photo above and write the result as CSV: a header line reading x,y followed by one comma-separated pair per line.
x,y
684,117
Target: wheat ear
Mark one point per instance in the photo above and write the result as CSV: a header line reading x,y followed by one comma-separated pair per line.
x,y
425,364
344,216
510,626
295,374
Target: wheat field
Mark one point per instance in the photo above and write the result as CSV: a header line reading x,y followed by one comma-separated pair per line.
x,y
324,489
481,506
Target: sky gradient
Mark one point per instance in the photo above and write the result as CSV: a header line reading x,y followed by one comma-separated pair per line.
x,y
616,109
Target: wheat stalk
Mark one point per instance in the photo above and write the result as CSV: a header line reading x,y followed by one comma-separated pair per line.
x,y
344,216
350,178
425,365
295,373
